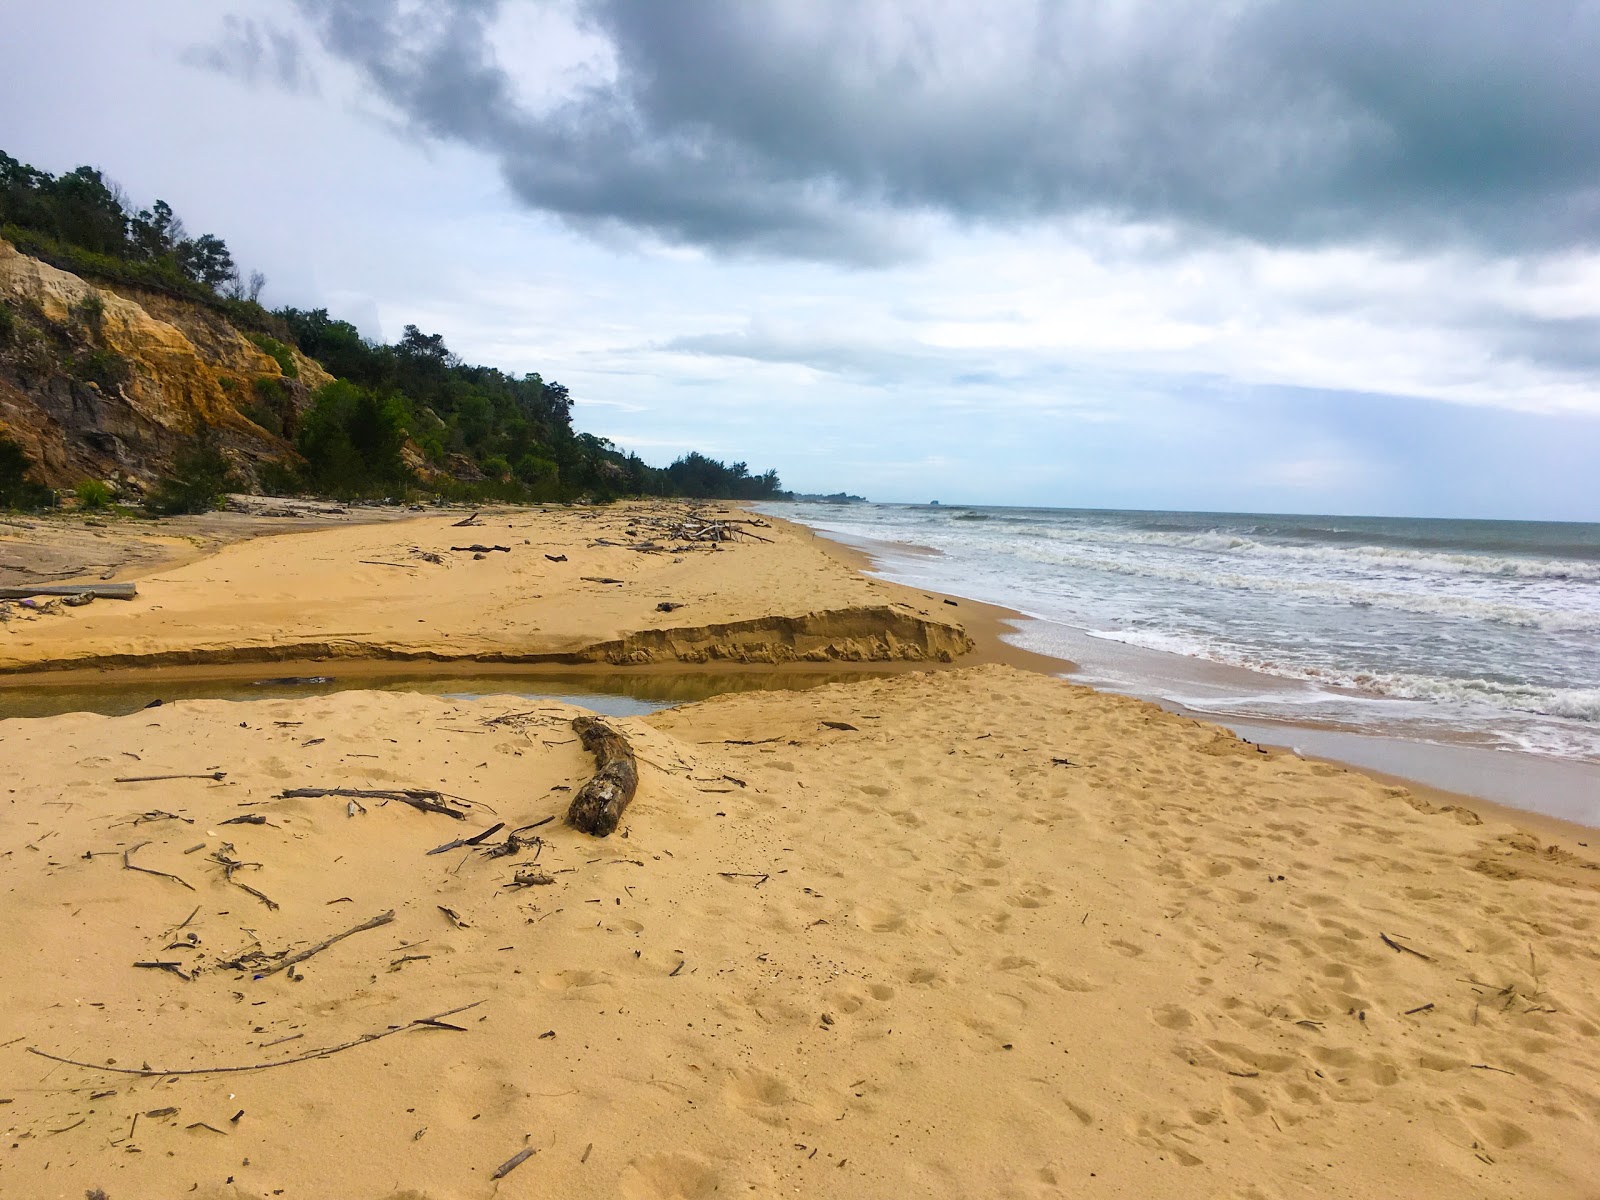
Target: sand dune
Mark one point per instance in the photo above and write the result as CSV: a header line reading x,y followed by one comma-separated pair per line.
x,y
919,956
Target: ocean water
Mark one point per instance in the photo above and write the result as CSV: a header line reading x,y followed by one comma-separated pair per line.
x,y
1478,632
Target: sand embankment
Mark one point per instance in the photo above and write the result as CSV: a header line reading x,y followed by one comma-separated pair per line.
x,y
565,588
1002,936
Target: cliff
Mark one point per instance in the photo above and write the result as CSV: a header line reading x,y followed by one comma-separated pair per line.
x,y
108,381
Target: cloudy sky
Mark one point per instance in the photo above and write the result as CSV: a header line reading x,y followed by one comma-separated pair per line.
x,y
1240,254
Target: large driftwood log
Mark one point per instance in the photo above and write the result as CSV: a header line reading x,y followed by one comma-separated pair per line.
x,y
105,591
597,808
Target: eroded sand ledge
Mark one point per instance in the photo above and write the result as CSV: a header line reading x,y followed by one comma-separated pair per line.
x,y
399,592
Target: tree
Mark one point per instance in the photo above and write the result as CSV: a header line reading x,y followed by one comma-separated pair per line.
x,y
201,476
16,489
206,260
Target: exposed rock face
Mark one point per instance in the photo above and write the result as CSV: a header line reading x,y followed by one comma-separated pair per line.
x,y
97,384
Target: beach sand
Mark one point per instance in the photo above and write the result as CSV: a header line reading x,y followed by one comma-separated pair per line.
x,y
967,931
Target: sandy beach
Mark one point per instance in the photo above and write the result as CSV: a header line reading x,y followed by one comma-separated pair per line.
x,y
953,929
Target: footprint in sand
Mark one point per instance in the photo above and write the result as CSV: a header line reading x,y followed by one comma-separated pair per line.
x,y
1170,1016
759,1094
566,981
876,918
669,1177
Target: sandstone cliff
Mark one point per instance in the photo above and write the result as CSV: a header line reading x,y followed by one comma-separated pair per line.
x,y
108,381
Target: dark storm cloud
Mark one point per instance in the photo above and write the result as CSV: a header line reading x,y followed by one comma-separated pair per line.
x,y
254,53
813,127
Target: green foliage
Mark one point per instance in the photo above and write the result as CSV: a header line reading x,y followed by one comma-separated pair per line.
x,y
16,489
201,476
351,440
93,495
8,323
105,368
278,352
280,479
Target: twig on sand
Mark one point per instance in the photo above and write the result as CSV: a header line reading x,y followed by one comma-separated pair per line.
x,y
222,856
217,775
380,919
469,841
128,865
435,1021
515,1161
1396,946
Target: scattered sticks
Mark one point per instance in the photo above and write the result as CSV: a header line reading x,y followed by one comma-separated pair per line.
x,y
435,1021
760,879
128,864
421,798
175,968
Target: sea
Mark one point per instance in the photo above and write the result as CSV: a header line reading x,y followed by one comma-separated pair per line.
x,y
1482,635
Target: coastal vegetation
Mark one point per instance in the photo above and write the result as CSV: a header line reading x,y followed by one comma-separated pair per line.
x,y
404,420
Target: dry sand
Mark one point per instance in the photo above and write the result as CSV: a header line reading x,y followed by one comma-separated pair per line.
x,y
1003,936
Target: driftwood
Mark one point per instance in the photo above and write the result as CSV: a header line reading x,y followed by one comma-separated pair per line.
x,y
480,548
598,806
104,591
436,1021
462,524
423,798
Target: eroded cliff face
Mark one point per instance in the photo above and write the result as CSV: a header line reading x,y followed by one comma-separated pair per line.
x,y
108,383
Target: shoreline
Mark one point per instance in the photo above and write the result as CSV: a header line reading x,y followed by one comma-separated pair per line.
x,y
1390,758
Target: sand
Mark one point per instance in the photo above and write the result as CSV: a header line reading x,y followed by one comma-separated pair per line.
x,y
1003,936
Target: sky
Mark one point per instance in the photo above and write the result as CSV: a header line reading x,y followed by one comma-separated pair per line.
x,y
1244,255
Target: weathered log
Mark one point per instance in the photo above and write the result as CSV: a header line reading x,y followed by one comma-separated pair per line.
x,y
598,806
105,591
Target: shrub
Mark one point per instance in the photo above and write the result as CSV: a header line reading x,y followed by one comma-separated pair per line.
x,y
201,476
106,369
91,311
8,322
280,479
16,489
279,353
93,494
